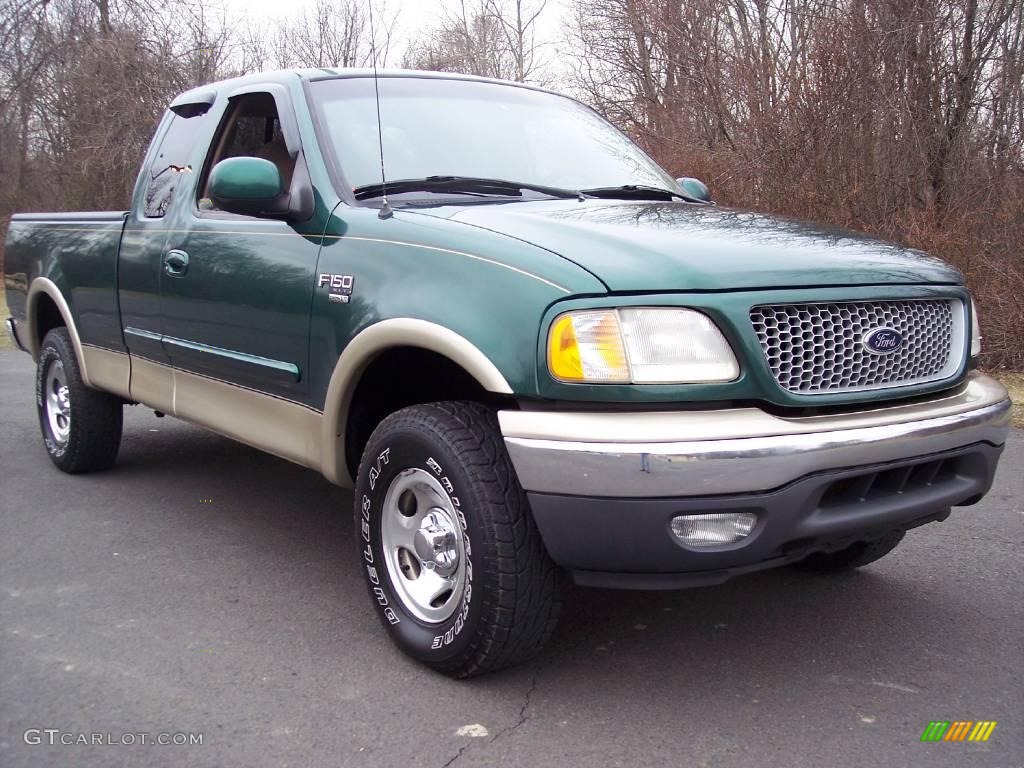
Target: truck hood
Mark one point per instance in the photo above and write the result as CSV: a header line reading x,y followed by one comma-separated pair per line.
x,y
641,246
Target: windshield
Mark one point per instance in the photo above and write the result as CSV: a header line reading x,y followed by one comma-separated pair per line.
x,y
435,127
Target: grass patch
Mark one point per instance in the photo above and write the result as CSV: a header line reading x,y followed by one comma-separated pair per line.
x,y
1015,383
5,339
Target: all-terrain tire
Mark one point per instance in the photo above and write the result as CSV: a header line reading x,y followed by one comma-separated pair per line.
x,y
85,432
452,454
854,556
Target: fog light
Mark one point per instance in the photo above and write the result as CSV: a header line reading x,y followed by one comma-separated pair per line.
x,y
713,530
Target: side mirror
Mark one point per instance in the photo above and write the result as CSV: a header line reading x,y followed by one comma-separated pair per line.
x,y
250,186
695,188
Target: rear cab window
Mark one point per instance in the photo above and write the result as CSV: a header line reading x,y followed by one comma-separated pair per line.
x,y
171,166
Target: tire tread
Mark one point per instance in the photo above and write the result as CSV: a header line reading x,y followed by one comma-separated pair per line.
x,y
97,416
521,611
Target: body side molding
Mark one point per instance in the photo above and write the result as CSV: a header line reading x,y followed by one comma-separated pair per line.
x,y
360,352
278,366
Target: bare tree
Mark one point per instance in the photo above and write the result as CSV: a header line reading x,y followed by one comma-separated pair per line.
x,y
489,38
83,84
517,22
333,33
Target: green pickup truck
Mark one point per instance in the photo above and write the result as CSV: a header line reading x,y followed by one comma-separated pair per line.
x,y
531,351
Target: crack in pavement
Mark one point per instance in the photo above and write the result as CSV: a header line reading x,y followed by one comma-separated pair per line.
x,y
522,710
520,720
458,754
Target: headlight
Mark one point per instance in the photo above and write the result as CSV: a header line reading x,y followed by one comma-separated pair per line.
x,y
975,331
642,346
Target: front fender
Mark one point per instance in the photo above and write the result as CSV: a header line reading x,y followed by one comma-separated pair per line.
x,y
367,345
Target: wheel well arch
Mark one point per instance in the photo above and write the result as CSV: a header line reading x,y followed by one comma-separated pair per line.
x,y
371,380
399,377
46,316
46,309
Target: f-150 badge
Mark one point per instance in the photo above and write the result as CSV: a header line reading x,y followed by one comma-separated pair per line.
x,y
339,286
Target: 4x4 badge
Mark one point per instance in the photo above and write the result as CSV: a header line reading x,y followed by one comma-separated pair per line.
x,y
339,286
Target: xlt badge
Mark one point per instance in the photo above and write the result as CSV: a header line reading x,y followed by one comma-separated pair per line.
x,y
340,286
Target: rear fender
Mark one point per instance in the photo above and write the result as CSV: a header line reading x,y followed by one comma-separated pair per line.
x,y
102,369
43,286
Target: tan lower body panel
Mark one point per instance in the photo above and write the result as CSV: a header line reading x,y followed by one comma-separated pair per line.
x,y
277,426
153,384
107,370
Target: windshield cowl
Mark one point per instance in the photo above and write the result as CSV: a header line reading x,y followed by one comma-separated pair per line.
x,y
465,185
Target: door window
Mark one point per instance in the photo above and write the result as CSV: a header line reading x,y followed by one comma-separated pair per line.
x,y
251,128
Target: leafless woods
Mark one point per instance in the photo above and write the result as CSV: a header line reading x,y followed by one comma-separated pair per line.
x,y
903,118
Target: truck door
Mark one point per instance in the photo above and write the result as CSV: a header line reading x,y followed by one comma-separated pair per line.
x,y
235,291
167,172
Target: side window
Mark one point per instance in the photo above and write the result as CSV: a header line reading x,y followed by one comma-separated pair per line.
x,y
171,164
251,128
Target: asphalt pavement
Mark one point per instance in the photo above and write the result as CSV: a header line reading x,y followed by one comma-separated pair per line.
x,y
202,587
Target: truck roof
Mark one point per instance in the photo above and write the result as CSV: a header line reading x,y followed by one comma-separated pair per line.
x,y
338,73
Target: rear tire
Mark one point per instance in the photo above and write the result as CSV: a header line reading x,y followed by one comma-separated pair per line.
x,y
81,426
453,560
854,556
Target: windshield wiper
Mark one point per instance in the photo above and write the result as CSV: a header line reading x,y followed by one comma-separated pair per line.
x,y
638,192
460,184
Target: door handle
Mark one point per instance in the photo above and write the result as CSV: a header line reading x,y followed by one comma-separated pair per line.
x,y
176,263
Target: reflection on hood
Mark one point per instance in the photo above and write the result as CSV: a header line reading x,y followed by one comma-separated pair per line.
x,y
650,246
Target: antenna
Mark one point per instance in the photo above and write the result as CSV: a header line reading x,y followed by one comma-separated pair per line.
x,y
385,209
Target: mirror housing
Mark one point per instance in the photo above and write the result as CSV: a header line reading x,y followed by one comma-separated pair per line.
x,y
695,188
250,186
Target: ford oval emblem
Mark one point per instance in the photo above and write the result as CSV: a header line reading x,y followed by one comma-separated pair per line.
x,y
882,341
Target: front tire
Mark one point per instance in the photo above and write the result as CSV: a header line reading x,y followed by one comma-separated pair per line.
x,y
454,562
856,555
81,426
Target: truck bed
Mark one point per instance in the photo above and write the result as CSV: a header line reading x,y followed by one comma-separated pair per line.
x,y
78,252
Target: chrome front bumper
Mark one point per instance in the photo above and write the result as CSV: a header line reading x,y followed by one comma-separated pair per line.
x,y
744,450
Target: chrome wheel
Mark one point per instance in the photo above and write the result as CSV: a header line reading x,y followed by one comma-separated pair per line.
x,y
58,402
423,546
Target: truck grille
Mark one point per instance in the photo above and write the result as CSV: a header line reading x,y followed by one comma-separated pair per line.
x,y
818,348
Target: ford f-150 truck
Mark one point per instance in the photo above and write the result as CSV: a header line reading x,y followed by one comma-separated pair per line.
x,y
530,350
